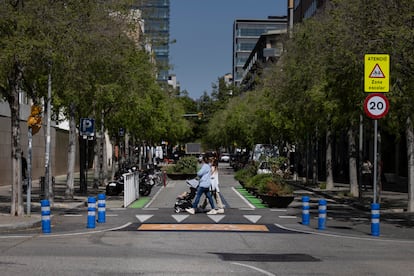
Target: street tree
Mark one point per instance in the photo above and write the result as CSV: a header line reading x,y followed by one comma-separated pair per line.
x,y
24,65
90,47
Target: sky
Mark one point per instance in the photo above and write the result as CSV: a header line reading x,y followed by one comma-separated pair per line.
x,y
203,30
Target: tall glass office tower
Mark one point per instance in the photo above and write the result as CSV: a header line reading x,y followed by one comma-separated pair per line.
x,y
156,16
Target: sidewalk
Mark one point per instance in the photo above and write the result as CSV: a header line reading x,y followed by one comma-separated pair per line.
x,y
60,203
395,221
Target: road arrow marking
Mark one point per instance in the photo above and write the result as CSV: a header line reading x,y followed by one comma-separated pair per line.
x,y
143,218
252,218
216,218
180,218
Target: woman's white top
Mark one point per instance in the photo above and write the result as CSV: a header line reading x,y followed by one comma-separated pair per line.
x,y
214,179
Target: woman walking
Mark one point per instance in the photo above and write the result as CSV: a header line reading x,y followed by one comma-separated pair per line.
x,y
203,187
215,187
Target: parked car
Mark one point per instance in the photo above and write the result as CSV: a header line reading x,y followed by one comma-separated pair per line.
x,y
225,157
264,168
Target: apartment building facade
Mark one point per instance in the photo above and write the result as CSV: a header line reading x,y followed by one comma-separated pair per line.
x,y
246,33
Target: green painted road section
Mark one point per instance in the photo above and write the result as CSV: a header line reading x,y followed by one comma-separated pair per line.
x,y
251,198
140,203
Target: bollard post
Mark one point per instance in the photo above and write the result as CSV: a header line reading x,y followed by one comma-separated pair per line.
x,y
45,212
305,210
322,214
91,212
101,208
375,219
164,174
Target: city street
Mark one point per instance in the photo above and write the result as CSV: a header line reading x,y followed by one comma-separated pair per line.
x,y
155,240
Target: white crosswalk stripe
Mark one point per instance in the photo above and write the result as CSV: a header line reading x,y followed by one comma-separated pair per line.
x,y
252,218
216,218
143,218
180,218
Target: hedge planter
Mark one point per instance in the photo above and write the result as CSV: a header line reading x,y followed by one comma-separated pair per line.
x,y
181,176
276,201
252,190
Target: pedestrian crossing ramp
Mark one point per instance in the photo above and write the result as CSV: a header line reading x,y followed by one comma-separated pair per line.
x,y
234,221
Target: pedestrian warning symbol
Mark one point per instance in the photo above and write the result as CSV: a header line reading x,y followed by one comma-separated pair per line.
x,y
376,73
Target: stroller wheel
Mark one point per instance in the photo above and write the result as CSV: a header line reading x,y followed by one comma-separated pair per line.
x,y
177,209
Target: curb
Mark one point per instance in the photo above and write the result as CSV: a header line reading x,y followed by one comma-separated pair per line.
x,y
33,221
352,203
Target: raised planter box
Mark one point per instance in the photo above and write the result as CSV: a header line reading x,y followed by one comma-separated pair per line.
x,y
181,176
276,201
252,190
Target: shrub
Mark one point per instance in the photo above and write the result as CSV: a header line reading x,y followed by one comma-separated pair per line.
x,y
275,186
244,174
185,165
258,181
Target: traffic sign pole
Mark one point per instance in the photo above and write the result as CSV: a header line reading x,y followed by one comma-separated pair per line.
x,y
86,132
376,106
374,184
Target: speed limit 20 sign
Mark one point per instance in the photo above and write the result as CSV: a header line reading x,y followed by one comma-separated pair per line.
x,y
376,105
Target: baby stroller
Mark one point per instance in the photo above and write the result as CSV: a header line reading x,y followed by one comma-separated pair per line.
x,y
184,200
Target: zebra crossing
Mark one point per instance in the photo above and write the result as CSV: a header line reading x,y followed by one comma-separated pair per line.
x,y
236,221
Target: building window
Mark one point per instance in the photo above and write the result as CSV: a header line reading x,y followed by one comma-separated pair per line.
x,y
245,46
311,10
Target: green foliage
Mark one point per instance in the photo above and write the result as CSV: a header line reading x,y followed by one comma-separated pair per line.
x,y
246,173
258,181
321,75
185,165
276,187
269,184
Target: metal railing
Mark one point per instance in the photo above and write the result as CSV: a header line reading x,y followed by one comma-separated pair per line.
x,y
131,188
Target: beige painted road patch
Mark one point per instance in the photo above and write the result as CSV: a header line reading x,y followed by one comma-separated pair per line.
x,y
203,227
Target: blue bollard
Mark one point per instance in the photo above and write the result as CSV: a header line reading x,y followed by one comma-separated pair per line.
x,y
45,212
91,212
101,208
305,210
375,219
322,214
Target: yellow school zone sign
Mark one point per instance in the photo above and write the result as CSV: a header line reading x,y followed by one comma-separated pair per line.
x,y
377,73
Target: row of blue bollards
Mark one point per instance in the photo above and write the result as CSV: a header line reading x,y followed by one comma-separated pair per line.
x,y
322,215
45,213
92,211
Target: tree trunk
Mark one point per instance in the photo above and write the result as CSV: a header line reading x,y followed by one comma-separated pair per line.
x,y
15,79
96,165
71,154
353,175
315,160
105,161
410,159
48,164
329,173
115,157
101,162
